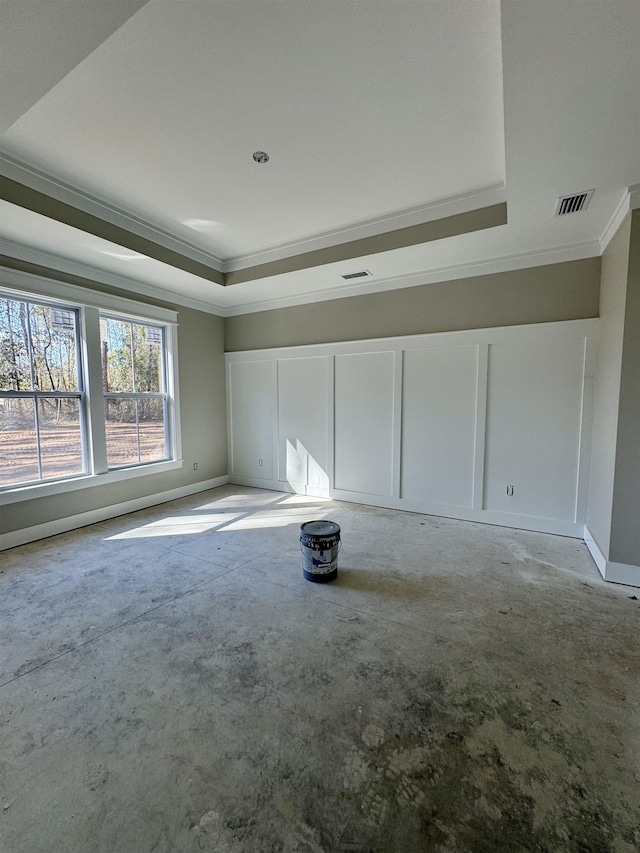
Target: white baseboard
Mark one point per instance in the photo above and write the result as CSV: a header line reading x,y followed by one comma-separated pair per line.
x,y
72,522
481,516
623,573
598,557
281,486
613,572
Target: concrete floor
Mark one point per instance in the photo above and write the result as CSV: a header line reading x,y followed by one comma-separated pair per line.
x,y
171,683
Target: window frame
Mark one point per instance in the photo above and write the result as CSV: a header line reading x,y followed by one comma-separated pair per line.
x,y
142,395
89,305
35,395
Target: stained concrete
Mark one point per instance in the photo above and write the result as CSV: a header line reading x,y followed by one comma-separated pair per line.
x,y
171,683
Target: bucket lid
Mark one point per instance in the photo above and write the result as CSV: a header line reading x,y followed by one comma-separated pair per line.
x,y
320,528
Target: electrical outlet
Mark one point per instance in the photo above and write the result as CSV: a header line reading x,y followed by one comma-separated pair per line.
x,y
510,491
195,466
259,463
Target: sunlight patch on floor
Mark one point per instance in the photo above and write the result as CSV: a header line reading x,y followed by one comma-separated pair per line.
x,y
178,525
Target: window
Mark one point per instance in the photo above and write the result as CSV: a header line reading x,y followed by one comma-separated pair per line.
x,y
41,398
88,389
135,398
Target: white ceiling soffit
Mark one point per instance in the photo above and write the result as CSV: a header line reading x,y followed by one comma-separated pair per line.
x,y
51,244
158,126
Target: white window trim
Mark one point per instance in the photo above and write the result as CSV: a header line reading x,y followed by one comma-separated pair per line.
x,y
85,481
46,288
24,285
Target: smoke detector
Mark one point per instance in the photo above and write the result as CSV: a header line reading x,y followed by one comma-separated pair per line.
x,y
573,203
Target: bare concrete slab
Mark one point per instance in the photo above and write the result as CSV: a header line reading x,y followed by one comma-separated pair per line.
x,y
172,683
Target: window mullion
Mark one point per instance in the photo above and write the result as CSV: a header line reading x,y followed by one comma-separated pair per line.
x,y
172,391
94,392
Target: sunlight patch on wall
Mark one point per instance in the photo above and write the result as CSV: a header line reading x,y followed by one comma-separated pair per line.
x,y
302,469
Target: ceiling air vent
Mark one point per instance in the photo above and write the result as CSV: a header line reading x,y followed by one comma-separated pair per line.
x,y
573,203
361,274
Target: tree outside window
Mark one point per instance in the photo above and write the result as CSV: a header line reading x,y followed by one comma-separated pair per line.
x,y
134,388
41,395
50,429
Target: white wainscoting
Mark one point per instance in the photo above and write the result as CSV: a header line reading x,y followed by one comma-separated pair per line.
x,y
252,393
439,400
363,423
534,413
439,424
302,427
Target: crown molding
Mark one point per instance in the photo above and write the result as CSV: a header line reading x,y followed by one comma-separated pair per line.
x,y
505,263
441,209
67,193
355,251
48,260
615,221
29,187
630,200
62,191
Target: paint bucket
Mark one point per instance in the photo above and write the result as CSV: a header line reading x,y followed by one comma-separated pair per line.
x,y
320,543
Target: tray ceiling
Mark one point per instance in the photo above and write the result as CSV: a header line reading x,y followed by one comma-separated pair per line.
x,y
379,119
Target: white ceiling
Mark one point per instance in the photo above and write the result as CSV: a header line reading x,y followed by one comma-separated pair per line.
x,y
40,42
375,115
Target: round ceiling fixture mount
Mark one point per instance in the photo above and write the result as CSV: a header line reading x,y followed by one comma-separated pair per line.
x,y
261,156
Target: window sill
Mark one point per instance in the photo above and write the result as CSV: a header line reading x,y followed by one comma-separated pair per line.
x,y
86,481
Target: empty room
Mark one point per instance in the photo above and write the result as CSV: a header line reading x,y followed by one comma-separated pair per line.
x,y
320,426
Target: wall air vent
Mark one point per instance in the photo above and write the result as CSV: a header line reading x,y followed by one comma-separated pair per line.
x,y
361,274
573,203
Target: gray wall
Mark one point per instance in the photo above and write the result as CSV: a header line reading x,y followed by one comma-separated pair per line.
x,y
625,517
615,264
542,294
567,291
203,421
